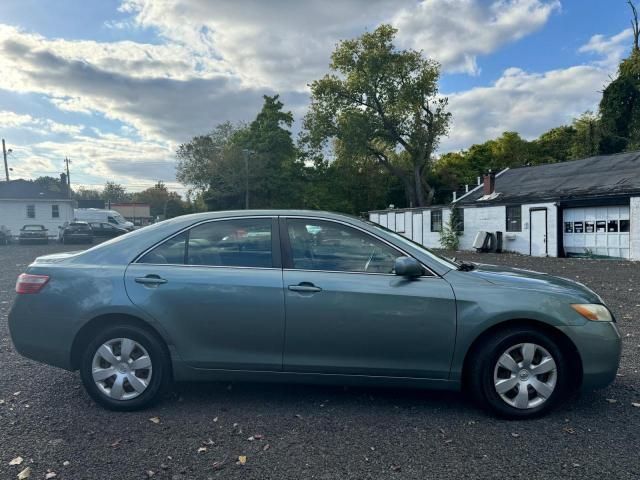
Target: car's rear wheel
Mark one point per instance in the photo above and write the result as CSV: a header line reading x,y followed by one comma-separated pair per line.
x,y
125,368
520,373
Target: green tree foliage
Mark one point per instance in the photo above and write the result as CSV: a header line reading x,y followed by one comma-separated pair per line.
x,y
87,194
556,145
261,155
272,157
114,192
162,202
203,158
381,102
588,135
52,184
451,231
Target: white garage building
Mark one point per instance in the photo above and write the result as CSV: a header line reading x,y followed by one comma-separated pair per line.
x,y
588,207
24,202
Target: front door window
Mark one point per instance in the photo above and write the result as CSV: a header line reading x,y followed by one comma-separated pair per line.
x,y
330,246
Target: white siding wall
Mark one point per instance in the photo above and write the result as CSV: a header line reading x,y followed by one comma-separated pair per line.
x,y
494,219
489,219
634,226
13,214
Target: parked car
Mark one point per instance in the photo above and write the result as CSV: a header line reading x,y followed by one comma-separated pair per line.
x,y
101,215
101,229
33,234
205,297
5,235
76,232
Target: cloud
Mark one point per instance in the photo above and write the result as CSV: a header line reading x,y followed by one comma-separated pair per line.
x,y
456,32
159,107
40,125
532,103
610,50
137,164
284,44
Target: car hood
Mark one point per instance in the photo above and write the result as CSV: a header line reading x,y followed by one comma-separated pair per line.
x,y
531,280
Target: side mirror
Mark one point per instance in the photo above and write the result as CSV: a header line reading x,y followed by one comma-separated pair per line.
x,y
408,267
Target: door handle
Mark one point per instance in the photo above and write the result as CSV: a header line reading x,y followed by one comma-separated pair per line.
x,y
307,287
151,280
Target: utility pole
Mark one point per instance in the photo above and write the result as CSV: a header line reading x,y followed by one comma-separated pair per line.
x,y
6,165
67,161
246,153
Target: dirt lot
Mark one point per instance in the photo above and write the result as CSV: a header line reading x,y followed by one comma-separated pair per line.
x,y
295,432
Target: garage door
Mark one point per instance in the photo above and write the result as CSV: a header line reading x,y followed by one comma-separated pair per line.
x,y
597,231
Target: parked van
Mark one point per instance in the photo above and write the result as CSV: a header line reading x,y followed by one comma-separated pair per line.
x,y
93,215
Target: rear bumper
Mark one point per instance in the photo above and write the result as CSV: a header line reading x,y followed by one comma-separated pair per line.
x,y
32,239
599,345
78,238
37,337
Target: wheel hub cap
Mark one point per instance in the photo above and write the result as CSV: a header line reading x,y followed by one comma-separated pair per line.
x,y
121,369
525,375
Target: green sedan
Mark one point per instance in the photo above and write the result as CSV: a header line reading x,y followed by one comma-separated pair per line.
x,y
305,296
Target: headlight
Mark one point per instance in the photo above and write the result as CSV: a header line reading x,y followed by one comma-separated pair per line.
x,y
593,311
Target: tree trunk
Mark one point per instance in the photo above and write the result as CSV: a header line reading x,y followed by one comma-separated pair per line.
x,y
419,191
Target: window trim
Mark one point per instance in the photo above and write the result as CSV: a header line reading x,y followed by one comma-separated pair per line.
x,y
506,218
287,256
56,207
431,212
276,256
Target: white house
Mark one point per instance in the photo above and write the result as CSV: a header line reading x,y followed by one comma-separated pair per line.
x,y
588,207
24,202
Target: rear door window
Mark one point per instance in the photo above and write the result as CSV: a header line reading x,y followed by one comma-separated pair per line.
x,y
231,243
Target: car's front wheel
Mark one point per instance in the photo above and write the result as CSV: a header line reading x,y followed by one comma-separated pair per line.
x,y
125,368
520,373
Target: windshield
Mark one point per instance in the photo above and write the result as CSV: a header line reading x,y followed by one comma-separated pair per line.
x,y
119,218
33,227
407,241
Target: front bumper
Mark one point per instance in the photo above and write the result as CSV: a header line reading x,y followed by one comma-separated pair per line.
x,y
599,345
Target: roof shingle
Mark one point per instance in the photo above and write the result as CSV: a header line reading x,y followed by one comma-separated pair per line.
x,y
600,176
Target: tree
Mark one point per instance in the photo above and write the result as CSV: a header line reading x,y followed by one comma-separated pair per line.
x,y
260,156
51,183
587,137
272,157
556,144
87,194
162,202
200,159
114,192
383,103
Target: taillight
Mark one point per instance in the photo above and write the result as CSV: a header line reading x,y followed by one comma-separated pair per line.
x,y
28,283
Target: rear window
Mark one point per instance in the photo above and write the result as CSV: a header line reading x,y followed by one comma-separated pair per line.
x,y
33,227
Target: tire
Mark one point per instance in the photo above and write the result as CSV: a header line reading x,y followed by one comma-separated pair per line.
x,y
487,370
127,398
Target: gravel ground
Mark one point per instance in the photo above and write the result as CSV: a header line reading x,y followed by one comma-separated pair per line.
x,y
294,432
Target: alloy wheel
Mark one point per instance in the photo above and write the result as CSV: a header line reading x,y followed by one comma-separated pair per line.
x,y
121,369
525,375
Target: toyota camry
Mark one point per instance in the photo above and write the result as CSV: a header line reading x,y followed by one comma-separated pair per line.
x,y
308,297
